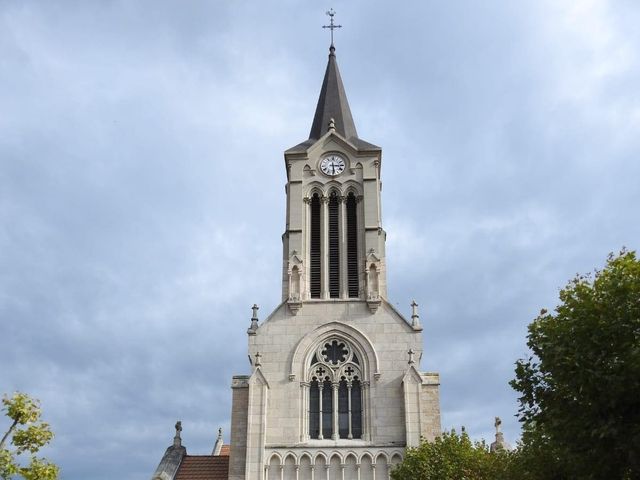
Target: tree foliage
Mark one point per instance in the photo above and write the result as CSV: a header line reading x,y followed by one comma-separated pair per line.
x,y
580,389
452,457
535,459
25,435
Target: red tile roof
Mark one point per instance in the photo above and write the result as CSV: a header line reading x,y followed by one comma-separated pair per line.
x,y
203,467
225,450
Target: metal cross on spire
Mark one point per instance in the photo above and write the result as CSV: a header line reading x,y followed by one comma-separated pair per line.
x,y
331,25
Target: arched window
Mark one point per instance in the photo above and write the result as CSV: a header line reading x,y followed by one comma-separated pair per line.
x,y
314,251
335,391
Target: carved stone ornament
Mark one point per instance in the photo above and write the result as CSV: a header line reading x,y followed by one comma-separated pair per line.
x,y
334,360
373,302
294,305
372,275
415,317
254,320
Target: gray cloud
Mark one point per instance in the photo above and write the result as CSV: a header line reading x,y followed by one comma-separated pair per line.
x,y
141,199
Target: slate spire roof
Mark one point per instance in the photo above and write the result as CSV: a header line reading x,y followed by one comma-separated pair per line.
x,y
333,104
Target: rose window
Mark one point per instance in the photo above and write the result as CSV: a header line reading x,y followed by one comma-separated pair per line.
x,y
335,352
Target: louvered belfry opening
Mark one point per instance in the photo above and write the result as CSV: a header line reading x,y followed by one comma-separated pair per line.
x,y
352,246
334,247
314,251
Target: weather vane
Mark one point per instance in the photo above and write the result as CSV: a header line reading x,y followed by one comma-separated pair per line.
x,y
331,25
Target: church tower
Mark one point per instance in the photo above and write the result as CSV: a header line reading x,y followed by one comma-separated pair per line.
x,y
335,390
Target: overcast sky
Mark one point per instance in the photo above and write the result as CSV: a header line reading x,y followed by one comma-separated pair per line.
x,y
142,199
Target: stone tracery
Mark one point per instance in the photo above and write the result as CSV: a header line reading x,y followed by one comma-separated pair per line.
x,y
335,403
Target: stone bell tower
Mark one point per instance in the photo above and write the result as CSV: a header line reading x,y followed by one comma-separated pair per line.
x,y
334,241
335,389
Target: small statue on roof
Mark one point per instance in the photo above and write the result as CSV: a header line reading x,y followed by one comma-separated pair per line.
x,y
177,441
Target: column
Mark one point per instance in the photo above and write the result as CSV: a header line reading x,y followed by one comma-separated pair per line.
x,y
320,388
366,413
313,472
304,395
336,433
378,196
350,436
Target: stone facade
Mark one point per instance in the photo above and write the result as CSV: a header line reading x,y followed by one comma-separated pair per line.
x,y
335,390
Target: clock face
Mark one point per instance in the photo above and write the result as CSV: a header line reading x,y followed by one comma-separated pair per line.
x,y
332,165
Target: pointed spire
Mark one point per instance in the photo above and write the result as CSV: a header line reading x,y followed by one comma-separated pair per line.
x,y
333,107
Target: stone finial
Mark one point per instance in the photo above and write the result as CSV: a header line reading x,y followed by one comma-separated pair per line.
x,y
415,317
332,124
254,320
257,361
217,448
172,457
411,353
499,443
177,441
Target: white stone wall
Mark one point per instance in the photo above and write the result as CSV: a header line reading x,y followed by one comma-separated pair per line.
x,y
361,176
391,337
280,341
401,404
301,463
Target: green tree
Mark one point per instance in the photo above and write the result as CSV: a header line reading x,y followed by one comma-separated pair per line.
x,y
580,388
452,457
535,459
26,435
